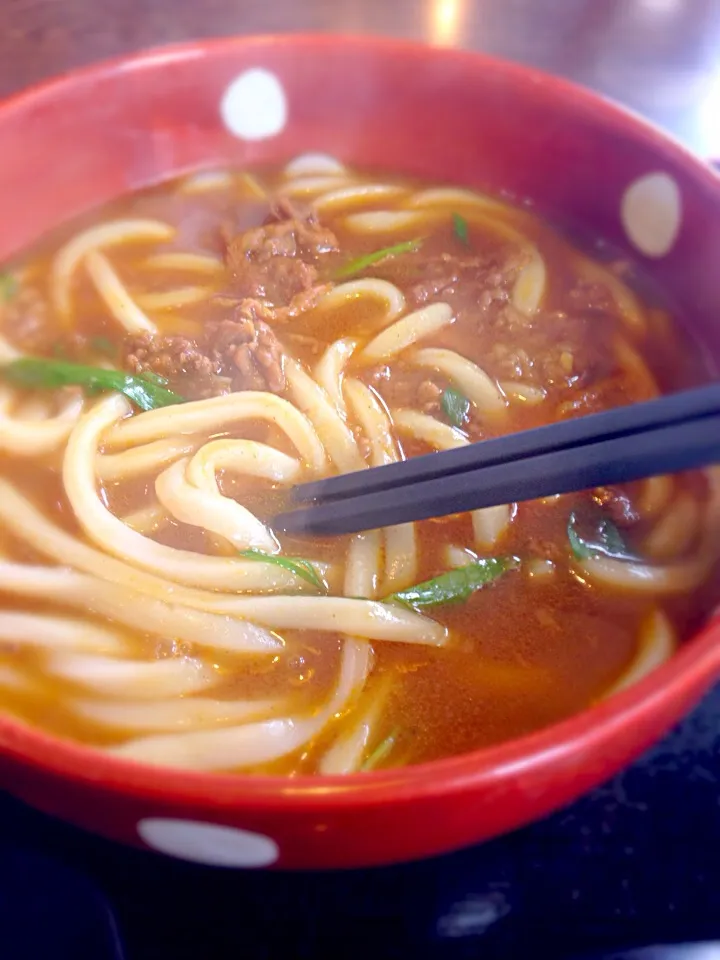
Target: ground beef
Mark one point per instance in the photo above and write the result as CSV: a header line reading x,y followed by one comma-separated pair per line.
x,y
274,277
248,351
277,261
239,353
479,284
278,280
181,361
558,350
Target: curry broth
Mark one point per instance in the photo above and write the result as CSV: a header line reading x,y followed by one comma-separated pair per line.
x,y
530,649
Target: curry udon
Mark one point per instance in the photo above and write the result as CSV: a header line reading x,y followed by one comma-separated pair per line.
x,y
173,365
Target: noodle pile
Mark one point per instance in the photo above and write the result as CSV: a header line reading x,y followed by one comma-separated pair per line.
x,y
140,639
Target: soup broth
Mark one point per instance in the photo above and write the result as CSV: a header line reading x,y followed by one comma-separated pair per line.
x,y
175,363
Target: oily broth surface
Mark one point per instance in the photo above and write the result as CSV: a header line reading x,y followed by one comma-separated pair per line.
x,y
525,651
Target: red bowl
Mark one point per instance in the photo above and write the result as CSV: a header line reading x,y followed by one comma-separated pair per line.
x,y
439,114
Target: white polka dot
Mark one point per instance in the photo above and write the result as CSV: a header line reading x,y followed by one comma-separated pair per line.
x,y
208,843
651,213
254,106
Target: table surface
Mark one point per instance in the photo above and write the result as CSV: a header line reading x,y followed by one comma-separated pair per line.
x,y
637,860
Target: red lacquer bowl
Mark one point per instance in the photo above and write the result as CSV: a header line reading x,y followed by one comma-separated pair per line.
x,y
438,114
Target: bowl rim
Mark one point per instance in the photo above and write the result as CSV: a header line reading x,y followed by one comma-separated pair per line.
x,y
686,674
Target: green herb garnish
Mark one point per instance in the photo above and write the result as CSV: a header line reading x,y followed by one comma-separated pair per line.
x,y
456,406
607,541
368,259
381,751
151,377
460,229
454,585
51,374
297,565
8,286
104,346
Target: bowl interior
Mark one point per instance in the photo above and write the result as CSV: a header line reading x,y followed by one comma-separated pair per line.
x,y
442,115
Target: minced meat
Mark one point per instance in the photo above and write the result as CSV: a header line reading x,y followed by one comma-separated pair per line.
x,y
180,360
469,283
274,276
248,352
277,261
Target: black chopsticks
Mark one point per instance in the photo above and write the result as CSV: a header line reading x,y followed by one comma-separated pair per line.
x,y
677,432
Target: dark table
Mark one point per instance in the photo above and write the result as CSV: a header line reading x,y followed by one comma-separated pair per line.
x,y
637,861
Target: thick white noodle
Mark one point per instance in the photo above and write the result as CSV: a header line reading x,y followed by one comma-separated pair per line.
x,y
457,557
383,221
489,523
215,414
247,457
114,232
172,299
185,617
309,186
253,743
147,458
656,644
178,260
675,530
363,565
24,521
359,618
426,428
669,578
529,288
115,295
111,677
330,370
523,392
400,540
206,181
361,579
147,520
8,352
637,371
332,430
57,633
401,556
346,754
210,510
137,610
34,438
407,331
166,715
360,193
314,163
655,494
454,197
369,410
110,533
371,288
480,389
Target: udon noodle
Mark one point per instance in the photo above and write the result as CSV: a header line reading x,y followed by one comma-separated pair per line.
x,y
173,366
